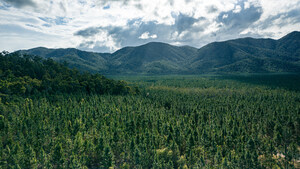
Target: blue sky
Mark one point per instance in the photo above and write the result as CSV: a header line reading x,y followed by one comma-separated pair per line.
x,y
108,25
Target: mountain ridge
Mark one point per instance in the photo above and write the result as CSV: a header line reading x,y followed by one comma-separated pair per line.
x,y
243,55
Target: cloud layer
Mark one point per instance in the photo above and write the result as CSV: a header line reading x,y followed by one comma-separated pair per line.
x,y
108,25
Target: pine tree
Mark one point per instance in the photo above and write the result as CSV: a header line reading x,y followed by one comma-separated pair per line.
x,y
78,143
224,163
175,154
30,157
137,157
43,159
132,148
74,162
99,151
58,156
107,158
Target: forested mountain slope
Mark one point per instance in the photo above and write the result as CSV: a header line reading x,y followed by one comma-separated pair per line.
x,y
245,55
248,55
30,75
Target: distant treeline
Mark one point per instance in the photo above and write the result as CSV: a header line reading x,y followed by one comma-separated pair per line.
x,y
27,75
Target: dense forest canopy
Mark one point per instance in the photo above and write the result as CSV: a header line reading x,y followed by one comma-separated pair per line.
x,y
149,100
175,122
28,75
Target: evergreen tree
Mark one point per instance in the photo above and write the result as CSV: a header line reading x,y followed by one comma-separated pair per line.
x,y
58,156
30,161
107,158
137,157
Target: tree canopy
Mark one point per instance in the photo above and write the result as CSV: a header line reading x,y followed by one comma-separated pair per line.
x,y
27,75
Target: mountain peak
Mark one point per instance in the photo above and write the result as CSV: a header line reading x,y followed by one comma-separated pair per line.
x,y
40,48
244,55
292,35
295,32
155,44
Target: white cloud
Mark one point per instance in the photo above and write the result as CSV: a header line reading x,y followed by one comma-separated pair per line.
x,y
225,16
146,35
274,7
246,5
237,9
53,23
277,18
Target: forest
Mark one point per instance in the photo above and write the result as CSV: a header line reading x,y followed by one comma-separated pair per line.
x,y
55,117
27,75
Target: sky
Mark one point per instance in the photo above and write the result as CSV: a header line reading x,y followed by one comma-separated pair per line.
x,y
108,25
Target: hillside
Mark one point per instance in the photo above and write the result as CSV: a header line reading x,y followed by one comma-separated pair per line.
x,y
152,58
32,75
248,55
245,55
85,61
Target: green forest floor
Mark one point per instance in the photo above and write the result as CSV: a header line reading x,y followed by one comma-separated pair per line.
x,y
208,121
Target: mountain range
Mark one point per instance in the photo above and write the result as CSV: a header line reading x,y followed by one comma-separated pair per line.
x,y
244,55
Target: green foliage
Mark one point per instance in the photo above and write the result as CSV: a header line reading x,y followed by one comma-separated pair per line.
x,y
58,156
31,75
210,122
107,158
73,58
